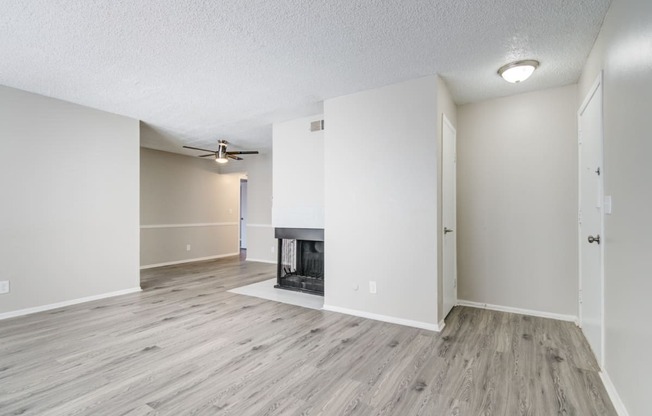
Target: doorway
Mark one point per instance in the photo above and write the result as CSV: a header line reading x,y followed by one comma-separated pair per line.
x,y
243,218
449,215
591,219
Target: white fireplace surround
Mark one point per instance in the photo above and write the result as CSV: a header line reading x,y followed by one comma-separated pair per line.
x,y
298,174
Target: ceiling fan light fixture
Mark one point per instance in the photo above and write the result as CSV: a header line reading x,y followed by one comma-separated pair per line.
x,y
220,155
518,71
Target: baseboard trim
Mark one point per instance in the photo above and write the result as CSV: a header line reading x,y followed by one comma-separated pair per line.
x,y
261,261
43,308
172,263
540,314
613,394
385,318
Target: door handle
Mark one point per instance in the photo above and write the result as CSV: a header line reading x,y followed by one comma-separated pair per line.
x,y
595,239
447,230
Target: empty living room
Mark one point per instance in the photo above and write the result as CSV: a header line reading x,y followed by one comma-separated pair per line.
x,y
422,207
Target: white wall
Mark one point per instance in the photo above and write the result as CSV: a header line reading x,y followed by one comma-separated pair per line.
x,y
184,200
624,51
381,201
517,201
261,244
298,174
260,233
445,106
69,212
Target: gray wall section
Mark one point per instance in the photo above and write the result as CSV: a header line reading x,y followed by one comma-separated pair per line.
x,y
162,245
381,200
179,190
517,201
624,51
69,216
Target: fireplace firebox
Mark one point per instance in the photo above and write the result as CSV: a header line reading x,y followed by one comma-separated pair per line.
x,y
300,259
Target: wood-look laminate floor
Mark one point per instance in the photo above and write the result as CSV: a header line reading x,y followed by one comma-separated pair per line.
x,y
184,346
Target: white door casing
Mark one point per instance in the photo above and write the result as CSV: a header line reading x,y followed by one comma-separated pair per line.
x,y
243,213
591,219
449,216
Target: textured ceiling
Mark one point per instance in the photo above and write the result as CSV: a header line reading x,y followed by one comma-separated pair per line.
x,y
196,71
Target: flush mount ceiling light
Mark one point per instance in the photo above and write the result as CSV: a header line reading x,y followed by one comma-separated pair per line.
x,y
518,71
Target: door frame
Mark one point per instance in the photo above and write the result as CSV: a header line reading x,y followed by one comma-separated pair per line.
x,y
447,123
597,85
242,219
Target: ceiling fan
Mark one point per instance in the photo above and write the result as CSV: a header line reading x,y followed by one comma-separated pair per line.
x,y
221,155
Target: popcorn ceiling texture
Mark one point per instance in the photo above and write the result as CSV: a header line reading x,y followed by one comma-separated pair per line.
x,y
196,71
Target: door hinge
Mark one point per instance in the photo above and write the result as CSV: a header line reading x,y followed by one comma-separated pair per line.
x,y
579,217
598,171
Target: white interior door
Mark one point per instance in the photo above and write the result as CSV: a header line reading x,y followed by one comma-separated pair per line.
x,y
243,213
449,217
591,234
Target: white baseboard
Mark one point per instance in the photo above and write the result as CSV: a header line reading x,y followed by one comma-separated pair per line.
x,y
172,263
550,315
385,318
43,308
613,394
261,260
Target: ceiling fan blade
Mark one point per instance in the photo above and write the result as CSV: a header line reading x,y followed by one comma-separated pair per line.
x,y
233,157
245,152
209,155
197,148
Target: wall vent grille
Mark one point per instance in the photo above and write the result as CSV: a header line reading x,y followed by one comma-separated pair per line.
x,y
317,125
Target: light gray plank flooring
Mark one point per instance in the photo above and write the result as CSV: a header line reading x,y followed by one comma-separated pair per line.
x,y
185,346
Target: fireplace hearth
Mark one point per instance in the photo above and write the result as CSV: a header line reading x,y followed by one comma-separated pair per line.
x,y
300,259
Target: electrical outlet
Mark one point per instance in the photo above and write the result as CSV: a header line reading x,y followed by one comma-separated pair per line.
x,y
372,287
273,249
4,286
187,247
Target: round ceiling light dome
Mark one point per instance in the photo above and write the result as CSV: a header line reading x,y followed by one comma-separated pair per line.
x,y
518,71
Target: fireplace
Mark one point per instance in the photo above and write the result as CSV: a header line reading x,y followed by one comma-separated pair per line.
x,y
300,259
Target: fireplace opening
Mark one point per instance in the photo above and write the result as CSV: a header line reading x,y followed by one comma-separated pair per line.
x,y
300,259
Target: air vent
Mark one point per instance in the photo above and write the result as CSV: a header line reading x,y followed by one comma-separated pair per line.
x,y
317,125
